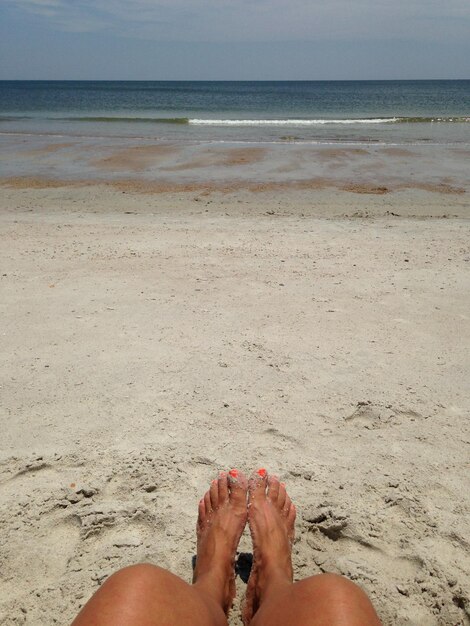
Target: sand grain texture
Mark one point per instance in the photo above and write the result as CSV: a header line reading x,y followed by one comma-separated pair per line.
x,y
151,340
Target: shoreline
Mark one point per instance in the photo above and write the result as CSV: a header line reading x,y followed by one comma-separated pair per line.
x,y
162,166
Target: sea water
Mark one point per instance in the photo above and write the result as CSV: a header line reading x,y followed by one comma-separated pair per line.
x,y
322,112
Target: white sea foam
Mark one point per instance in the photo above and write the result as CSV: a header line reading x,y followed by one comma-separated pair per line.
x,y
290,122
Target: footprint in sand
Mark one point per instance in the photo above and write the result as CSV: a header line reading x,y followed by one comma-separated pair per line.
x,y
339,547
372,416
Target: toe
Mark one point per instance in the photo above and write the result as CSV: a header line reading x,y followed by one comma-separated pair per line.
x,y
201,515
282,496
207,504
214,494
292,513
286,505
223,487
273,488
238,486
257,485
291,522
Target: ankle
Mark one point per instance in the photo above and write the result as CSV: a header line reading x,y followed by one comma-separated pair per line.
x,y
273,580
213,578
214,585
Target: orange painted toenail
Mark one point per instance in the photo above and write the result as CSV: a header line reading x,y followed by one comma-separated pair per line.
x,y
262,472
233,473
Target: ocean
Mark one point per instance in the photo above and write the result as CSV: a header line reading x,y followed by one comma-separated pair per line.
x,y
316,112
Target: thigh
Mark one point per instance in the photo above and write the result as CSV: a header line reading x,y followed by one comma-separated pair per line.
x,y
324,600
146,595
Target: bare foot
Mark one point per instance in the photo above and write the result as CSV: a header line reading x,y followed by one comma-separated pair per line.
x,y
220,524
271,517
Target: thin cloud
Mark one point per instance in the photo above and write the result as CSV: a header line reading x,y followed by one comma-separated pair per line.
x,y
258,20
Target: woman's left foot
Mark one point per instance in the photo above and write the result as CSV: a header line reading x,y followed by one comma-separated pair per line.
x,y
221,520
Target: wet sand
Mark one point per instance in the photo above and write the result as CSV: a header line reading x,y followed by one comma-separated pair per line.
x,y
231,166
152,336
230,187
135,159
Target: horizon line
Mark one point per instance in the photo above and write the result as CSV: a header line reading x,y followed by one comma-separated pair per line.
x,y
227,80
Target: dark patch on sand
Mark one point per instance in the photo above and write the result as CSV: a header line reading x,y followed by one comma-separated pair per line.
x,y
332,154
136,158
244,156
312,184
36,182
398,152
215,158
206,188
436,188
365,188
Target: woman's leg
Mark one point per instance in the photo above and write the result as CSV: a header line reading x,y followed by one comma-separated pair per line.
x,y
146,595
272,598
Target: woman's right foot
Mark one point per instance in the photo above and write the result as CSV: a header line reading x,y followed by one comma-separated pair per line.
x,y
271,517
220,524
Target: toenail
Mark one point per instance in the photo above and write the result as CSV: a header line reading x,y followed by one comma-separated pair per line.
x,y
234,473
262,472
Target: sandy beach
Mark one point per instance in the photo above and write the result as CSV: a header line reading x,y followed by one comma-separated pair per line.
x,y
152,339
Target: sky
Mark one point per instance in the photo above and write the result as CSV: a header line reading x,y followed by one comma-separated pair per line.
x,y
234,39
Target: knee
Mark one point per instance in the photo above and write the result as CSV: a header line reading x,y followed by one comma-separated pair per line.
x,y
329,585
136,577
337,597
336,582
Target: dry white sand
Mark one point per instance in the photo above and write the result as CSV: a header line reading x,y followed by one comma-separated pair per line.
x,y
150,340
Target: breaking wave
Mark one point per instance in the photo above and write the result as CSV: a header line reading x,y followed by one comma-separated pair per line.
x,y
253,122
